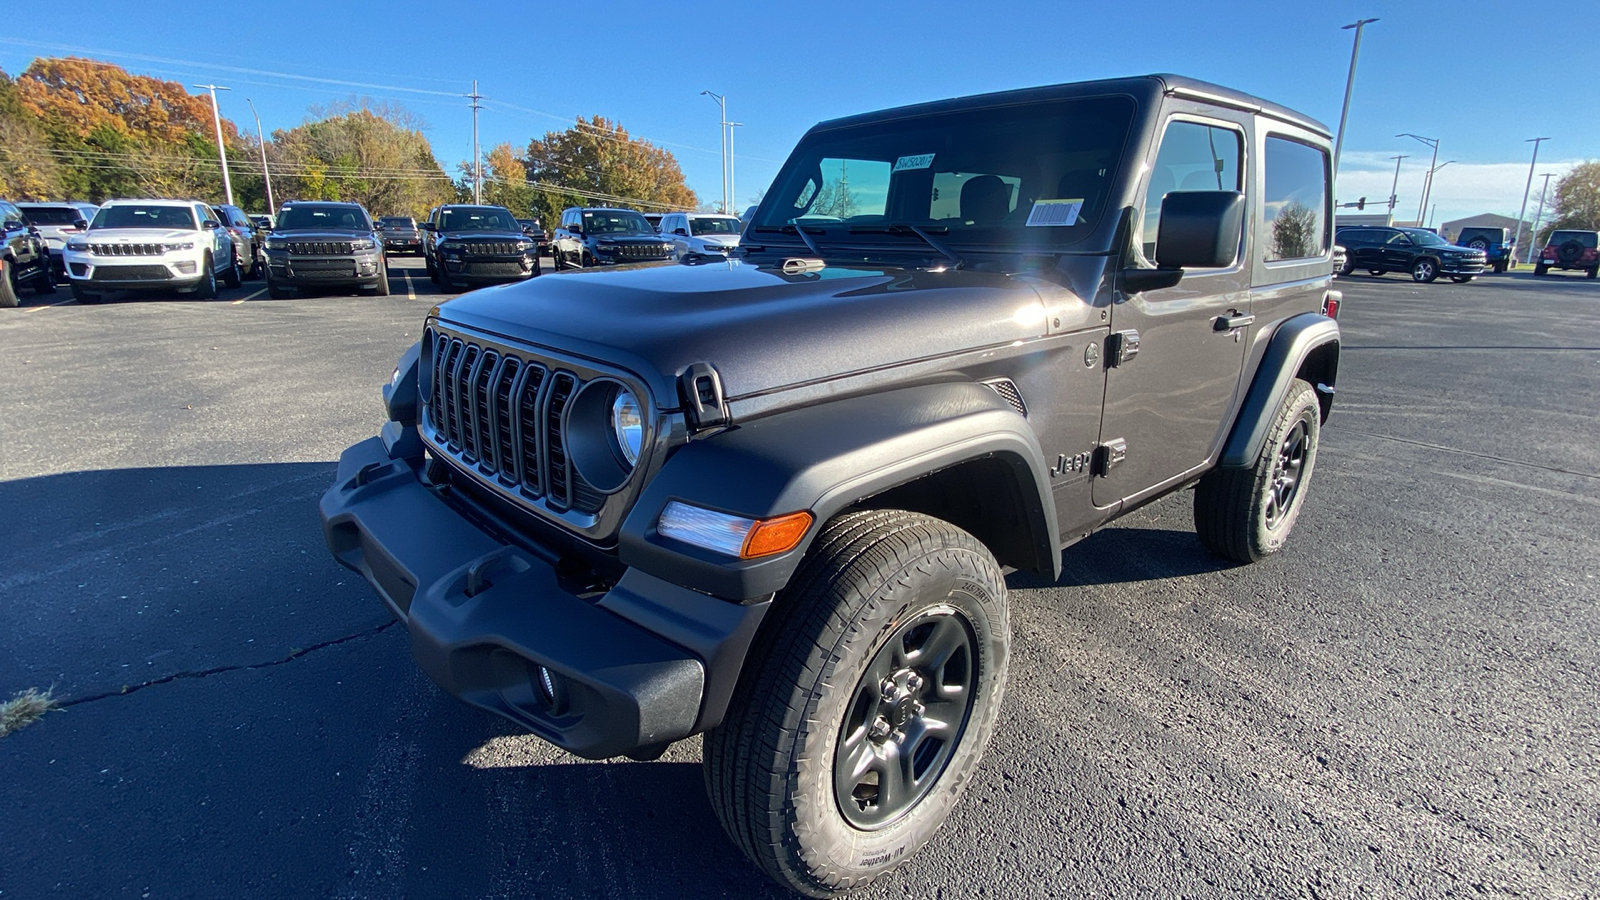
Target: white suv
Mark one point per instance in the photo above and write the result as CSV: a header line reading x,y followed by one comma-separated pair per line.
x,y
151,245
699,235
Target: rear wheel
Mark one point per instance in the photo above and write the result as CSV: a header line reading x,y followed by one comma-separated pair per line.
x,y
866,704
1376,272
234,276
1424,270
1539,269
1247,514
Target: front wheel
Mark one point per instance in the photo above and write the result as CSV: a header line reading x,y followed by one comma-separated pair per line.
x,y
381,289
1346,269
87,298
1593,271
234,276
1540,270
1247,514
866,702
8,286
1424,271
207,289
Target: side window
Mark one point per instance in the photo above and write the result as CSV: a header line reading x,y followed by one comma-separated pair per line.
x,y
1193,157
1296,202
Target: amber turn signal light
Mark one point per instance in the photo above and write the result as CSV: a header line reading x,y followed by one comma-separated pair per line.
x,y
777,535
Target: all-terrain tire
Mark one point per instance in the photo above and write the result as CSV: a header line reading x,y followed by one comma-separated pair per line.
x,y
817,683
1246,514
1540,270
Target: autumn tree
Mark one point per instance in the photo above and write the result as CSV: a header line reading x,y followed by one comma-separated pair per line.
x,y
1577,201
597,161
28,169
370,153
1296,232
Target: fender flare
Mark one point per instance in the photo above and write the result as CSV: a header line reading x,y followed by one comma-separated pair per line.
x,y
1290,346
825,458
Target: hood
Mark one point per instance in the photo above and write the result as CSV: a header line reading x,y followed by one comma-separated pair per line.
x,y
627,238
319,234
142,235
762,330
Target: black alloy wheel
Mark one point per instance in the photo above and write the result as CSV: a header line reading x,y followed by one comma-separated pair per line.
x,y
1287,472
1247,514
906,717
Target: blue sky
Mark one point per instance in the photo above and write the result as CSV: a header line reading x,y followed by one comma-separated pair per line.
x,y
1479,83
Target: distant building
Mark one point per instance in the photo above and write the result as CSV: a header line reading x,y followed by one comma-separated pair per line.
x,y
1451,230
1342,220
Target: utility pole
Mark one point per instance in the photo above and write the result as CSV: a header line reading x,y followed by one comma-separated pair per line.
x,y
222,152
1393,188
1349,87
272,210
1522,212
731,192
1535,235
722,102
1427,183
477,158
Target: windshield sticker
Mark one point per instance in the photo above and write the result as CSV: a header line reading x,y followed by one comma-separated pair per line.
x,y
1055,212
907,163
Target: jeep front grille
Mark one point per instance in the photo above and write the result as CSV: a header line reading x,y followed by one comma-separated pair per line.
x,y
321,248
487,248
500,415
125,249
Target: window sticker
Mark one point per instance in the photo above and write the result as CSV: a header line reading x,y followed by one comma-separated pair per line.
x,y
907,163
1054,212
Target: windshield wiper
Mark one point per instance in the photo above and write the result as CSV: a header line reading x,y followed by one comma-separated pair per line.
x,y
924,233
795,229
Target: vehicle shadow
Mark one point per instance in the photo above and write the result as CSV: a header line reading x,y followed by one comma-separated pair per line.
x,y
1125,555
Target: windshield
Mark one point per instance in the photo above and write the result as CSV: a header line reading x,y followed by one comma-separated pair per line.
x,y
1042,173
1584,238
397,222
715,225
338,218
168,217
615,222
52,215
1425,238
478,219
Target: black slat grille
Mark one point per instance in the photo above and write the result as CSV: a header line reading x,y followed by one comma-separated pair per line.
x,y
641,251
321,248
495,268
125,249
502,415
492,248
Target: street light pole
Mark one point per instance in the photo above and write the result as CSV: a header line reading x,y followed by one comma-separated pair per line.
x,y
1349,86
1434,143
222,152
1535,235
1524,210
722,102
266,175
1428,187
1393,188
731,192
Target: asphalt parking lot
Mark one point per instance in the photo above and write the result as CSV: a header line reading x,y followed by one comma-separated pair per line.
x,y
1401,704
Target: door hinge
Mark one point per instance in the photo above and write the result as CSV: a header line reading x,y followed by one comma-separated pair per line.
x,y
1121,346
1109,455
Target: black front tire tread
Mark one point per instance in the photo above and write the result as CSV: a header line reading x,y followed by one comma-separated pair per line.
x,y
845,568
8,290
1226,500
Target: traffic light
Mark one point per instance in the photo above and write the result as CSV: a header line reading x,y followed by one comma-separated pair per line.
x,y
1362,203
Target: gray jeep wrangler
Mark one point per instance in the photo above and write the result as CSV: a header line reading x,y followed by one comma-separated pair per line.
x,y
773,499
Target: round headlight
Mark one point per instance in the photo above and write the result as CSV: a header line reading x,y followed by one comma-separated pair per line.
x,y
627,425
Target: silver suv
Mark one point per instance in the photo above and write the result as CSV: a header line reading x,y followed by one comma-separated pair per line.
x,y
57,223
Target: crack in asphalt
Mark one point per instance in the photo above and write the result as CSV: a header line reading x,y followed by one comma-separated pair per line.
x,y
1514,462
203,673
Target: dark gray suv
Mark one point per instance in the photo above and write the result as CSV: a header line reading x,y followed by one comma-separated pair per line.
x,y
774,499
318,245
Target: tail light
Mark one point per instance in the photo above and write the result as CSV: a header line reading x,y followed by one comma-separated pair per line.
x,y
1330,304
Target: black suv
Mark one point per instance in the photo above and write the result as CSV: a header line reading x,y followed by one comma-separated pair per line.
x,y
774,500
534,229
316,245
400,234
477,244
1425,255
1570,249
1497,244
24,257
601,236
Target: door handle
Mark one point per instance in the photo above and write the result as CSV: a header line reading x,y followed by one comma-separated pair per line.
x,y
1233,319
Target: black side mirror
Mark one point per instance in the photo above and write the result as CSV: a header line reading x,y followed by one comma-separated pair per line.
x,y
1199,229
211,223
426,226
80,224
575,229
680,231
12,225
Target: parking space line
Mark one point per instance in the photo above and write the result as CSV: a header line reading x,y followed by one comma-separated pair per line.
x,y
250,297
48,305
411,289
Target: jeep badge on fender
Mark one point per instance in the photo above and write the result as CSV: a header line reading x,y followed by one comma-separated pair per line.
x,y
773,498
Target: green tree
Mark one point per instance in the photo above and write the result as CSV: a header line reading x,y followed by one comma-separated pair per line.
x,y
28,168
596,161
1577,201
371,153
1294,232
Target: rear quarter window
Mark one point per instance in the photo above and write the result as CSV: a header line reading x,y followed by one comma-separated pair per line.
x,y
1295,205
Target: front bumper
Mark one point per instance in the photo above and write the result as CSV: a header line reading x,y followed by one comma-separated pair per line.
x,y
645,664
1464,266
133,273
476,268
300,270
